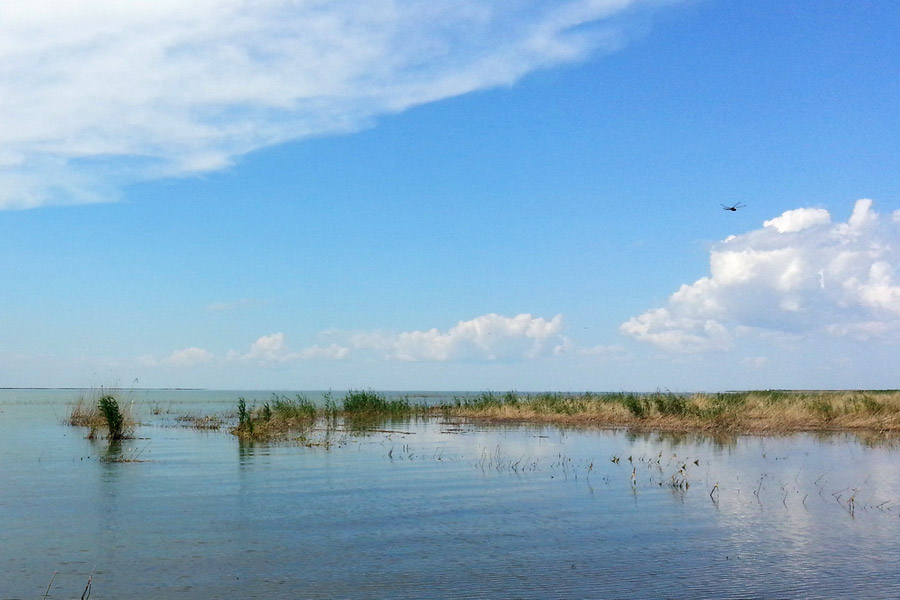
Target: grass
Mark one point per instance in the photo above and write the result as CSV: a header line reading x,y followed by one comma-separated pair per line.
x,y
279,416
282,417
101,410
750,412
769,411
372,404
115,420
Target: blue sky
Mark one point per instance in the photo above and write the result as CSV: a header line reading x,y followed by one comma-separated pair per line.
x,y
450,195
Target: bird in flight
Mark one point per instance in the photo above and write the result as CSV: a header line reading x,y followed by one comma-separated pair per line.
x,y
733,207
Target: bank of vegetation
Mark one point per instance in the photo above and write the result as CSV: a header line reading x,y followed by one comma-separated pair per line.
x,y
771,411
753,412
756,412
282,415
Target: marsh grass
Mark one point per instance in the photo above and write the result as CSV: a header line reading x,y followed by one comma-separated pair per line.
x,y
278,416
752,411
726,413
364,403
115,420
102,410
281,417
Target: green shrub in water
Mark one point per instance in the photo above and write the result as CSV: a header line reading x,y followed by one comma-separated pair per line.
x,y
115,420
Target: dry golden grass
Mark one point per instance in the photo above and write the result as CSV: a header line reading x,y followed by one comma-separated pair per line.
x,y
86,413
734,412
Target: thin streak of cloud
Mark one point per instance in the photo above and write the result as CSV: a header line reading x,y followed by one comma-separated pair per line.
x,y
99,94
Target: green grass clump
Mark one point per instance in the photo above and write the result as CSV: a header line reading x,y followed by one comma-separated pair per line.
x,y
104,411
370,403
279,416
638,407
115,420
487,400
673,405
298,408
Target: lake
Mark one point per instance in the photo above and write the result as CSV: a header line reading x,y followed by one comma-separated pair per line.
x,y
434,509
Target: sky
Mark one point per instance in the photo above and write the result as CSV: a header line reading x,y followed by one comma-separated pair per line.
x,y
450,194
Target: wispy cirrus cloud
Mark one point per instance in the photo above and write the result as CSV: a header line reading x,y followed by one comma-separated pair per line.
x,y
98,94
800,275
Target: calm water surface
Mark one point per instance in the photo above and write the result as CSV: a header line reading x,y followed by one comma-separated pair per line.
x,y
435,510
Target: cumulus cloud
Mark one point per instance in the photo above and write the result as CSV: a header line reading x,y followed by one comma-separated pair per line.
x,y
98,94
488,337
273,348
268,348
799,274
189,357
799,219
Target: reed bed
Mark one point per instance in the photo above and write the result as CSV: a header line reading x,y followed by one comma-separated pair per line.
x,y
771,411
103,410
751,412
277,417
281,417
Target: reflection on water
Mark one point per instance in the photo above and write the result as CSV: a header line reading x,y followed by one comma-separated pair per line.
x,y
436,509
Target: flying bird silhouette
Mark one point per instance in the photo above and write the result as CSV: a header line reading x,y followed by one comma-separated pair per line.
x,y
733,207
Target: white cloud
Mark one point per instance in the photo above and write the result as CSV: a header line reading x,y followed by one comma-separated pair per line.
x,y
488,337
268,348
189,357
98,94
797,275
273,348
332,351
799,219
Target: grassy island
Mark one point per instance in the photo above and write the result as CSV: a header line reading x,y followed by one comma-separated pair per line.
x,y
755,412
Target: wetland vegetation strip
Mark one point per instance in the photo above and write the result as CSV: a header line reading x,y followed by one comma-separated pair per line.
x,y
773,411
872,412
770,411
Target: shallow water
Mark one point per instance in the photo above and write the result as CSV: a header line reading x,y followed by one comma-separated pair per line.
x,y
437,510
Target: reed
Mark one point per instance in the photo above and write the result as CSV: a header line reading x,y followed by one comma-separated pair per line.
x,y
283,417
279,416
726,413
751,411
115,420
367,403
101,410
